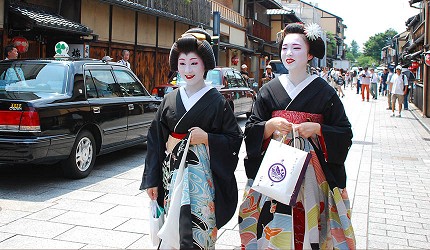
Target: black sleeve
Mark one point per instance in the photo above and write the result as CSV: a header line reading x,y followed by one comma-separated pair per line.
x,y
224,154
254,132
156,147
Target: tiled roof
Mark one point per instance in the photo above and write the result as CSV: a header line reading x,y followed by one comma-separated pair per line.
x,y
42,18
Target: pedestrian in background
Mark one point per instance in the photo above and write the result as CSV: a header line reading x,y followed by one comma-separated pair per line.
x,y
383,82
354,79
125,54
365,83
411,79
244,72
359,80
389,87
11,52
197,110
374,79
268,74
399,89
324,74
307,104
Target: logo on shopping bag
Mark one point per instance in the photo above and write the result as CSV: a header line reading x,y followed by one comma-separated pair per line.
x,y
277,172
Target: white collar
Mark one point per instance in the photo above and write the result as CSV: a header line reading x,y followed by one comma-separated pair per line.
x,y
292,90
190,101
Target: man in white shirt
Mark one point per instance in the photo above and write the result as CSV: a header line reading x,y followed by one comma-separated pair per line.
x,y
374,79
125,57
400,86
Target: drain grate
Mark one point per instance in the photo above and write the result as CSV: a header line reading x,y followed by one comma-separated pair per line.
x,y
426,139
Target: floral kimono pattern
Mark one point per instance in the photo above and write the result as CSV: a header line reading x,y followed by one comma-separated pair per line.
x,y
321,218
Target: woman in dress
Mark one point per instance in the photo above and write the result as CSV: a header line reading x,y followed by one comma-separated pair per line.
x,y
198,113
321,217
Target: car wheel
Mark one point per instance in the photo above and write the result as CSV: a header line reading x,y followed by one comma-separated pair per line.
x,y
82,158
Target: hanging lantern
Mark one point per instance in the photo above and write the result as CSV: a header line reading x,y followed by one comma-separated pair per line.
x,y
20,43
427,58
234,60
415,65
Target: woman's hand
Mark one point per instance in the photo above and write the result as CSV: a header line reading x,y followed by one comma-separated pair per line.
x,y
308,129
152,193
277,124
198,136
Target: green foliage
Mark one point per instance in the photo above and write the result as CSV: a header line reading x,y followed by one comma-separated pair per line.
x,y
187,1
368,61
355,49
373,46
331,45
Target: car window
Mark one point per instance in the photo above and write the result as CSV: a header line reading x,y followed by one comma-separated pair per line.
x,y
33,77
240,82
103,82
214,77
129,85
90,86
231,79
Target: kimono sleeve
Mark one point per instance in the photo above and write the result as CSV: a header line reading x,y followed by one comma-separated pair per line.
x,y
224,150
156,147
254,134
336,131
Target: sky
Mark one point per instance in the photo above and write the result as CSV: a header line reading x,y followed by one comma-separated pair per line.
x,y
365,18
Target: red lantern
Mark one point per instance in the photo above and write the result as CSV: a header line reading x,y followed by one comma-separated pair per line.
x,y
20,43
235,60
415,65
427,59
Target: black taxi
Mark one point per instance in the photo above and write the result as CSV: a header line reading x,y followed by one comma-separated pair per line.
x,y
70,110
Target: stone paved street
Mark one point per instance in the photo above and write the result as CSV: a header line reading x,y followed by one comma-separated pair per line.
x,y
388,171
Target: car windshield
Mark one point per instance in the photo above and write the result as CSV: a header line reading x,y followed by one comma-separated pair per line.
x,y
213,77
32,77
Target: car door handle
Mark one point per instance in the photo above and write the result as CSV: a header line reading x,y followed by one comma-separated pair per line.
x,y
96,110
131,107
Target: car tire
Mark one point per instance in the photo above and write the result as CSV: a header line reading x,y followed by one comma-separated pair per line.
x,y
82,158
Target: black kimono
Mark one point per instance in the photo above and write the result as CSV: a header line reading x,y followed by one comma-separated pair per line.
x,y
213,114
312,222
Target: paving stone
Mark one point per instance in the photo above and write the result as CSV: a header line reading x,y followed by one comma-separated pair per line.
x,y
134,226
46,214
90,220
36,228
23,205
4,236
7,215
101,237
129,212
28,242
83,206
121,199
410,236
418,244
229,238
143,243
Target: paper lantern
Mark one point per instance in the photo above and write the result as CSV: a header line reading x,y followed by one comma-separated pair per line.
x,y
415,65
235,60
20,43
427,59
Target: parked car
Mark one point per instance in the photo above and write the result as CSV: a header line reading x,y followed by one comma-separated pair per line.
x,y
70,110
161,90
234,88
278,67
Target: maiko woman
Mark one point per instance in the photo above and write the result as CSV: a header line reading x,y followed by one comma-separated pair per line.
x,y
321,217
198,113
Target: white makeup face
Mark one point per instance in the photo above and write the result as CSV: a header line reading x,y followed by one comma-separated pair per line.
x,y
191,68
295,52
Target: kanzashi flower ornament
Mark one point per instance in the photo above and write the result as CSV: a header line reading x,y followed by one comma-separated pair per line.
x,y
313,31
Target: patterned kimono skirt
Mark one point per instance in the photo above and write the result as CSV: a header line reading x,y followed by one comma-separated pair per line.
x,y
197,227
321,218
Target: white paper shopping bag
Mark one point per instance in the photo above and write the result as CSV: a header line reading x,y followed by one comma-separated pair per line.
x,y
281,172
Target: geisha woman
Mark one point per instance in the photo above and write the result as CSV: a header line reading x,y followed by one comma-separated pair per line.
x,y
321,217
199,113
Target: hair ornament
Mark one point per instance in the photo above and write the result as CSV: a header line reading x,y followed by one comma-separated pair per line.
x,y
313,31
